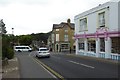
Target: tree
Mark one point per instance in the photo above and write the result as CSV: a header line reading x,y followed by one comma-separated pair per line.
x,y
7,50
25,40
2,27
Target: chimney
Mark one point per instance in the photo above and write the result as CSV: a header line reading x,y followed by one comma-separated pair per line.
x,y
68,21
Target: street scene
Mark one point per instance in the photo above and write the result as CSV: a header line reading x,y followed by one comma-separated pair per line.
x,y
57,40
61,65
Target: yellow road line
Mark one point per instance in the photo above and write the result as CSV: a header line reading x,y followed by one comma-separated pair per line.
x,y
49,69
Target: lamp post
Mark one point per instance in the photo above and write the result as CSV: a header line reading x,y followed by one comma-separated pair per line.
x,y
12,31
13,36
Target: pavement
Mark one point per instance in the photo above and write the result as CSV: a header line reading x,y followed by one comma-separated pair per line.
x,y
11,70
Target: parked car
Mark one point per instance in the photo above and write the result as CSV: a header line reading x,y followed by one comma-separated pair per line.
x,y
22,48
43,52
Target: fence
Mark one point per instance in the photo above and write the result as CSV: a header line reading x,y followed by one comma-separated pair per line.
x,y
113,56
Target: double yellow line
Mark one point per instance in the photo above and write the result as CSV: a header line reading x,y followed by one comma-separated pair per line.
x,y
49,69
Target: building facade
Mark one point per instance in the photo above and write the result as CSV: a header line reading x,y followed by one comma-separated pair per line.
x,y
97,30
61,38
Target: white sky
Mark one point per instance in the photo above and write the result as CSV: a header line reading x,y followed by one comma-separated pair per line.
x,y
36,16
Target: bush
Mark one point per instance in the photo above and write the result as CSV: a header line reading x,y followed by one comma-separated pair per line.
x,y
10,53
7,52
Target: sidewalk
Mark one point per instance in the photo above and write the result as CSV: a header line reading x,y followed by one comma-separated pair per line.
x,y
12,69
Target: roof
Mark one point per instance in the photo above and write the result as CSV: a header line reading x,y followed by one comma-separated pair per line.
x,y
62,24
115,1
97,8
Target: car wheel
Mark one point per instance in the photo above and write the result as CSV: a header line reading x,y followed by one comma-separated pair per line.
x,y
48,56
19,51
36,56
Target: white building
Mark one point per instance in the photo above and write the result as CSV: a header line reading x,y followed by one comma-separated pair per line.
x,y
97,31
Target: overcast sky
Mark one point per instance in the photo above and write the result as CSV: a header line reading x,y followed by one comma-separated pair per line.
x,y
36,16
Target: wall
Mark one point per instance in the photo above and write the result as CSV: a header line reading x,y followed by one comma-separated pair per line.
x,y
113,19
119,16
111,13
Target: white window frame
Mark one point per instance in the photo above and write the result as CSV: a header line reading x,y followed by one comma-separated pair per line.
x,y
57,37
65,37
66,29
101,19
57,29
83,24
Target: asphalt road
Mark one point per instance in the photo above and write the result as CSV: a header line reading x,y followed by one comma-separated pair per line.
x,y
30,68
78,67
67,66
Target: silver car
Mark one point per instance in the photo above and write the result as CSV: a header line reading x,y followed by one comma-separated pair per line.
x,y
43,52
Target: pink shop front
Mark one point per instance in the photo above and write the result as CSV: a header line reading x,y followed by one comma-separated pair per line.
x,y
102,41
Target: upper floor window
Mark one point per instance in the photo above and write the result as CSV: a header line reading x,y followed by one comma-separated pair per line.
x,y
65,37
57,37
102,19
57,29
53,38
83,24
66,29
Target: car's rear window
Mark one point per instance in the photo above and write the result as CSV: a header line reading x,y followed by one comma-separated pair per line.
x,y
43,49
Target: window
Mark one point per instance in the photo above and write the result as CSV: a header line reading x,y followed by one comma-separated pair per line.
x,y
64,46
102,44
83,24
81,46
102,19
57,29
91,45
57,37
65,37
53,38
66,29
115,45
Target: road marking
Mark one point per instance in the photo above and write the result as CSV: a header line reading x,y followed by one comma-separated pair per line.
x,y
54,74
45,68
73,62
81,64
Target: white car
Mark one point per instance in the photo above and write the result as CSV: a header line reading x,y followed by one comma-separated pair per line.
x,y
22,48
43,52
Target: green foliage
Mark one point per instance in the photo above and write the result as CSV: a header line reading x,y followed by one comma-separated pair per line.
x,y
7,42
7,47
41,37
10,53
3,28
25,40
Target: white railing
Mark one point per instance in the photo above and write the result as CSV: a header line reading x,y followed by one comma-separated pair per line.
x,y
101,55
91,53
113,56
81,52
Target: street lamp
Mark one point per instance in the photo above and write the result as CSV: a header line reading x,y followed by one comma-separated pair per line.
x,y
13,36
12,31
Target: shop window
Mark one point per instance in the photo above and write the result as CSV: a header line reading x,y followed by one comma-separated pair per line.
x,y
81,46
102,45
115,45
91,45
64,47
